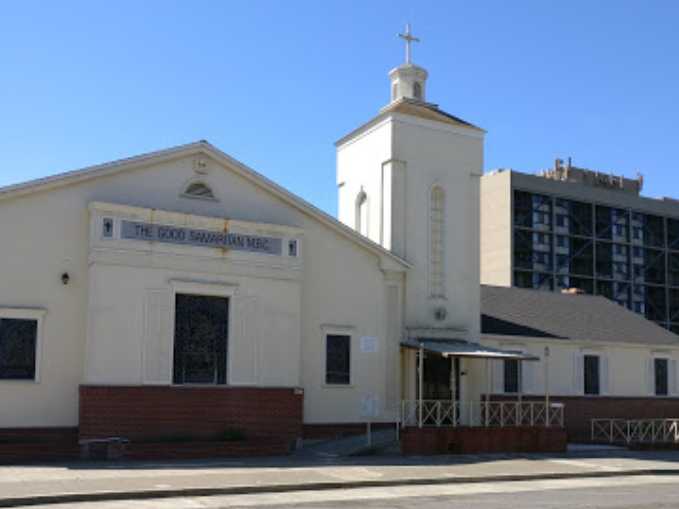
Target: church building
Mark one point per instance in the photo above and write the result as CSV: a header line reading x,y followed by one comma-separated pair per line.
x,y
181,296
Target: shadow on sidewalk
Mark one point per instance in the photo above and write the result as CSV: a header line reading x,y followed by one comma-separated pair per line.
x,y
300,460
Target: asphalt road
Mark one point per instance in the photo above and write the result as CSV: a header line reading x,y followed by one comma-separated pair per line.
x,y
618,492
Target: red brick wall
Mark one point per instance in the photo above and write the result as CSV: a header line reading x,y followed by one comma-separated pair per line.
x,y
38,444
143,413
331,431
200,450
580,410
465,440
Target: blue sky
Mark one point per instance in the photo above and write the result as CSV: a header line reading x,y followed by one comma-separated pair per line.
x,y
275,83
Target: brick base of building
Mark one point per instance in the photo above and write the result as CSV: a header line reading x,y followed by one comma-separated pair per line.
x,y
19,445
338,430
203,450
580,410
172,415
476,440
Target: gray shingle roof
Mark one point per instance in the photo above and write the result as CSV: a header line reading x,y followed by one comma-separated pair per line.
x,y
535,313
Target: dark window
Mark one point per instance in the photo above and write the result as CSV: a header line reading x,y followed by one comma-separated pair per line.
x,y
200,339
661,377
338,359
18,340
417,90
523,279
523,209
511,375
292,248
591,374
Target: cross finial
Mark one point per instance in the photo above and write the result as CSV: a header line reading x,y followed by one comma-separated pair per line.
x,y
408,38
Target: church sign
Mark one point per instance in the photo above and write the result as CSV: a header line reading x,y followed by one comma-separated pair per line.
x,y
132,230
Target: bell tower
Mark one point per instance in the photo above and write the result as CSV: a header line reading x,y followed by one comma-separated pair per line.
x,y
409,179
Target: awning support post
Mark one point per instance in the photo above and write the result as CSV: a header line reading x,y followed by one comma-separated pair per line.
x,y
453,389
420,374
489,384
520,392
547,386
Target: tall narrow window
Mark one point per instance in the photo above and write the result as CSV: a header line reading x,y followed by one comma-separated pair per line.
x,y
436,262
338,359
362,213
511,376
592,376
417,90
661,377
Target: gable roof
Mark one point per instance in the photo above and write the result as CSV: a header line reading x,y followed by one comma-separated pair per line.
x,y
414,108
541,314
202,146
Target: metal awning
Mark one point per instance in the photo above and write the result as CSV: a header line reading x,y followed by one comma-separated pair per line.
x,y
462,348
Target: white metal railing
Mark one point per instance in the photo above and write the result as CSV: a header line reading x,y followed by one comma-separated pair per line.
x,y
502,414
629,431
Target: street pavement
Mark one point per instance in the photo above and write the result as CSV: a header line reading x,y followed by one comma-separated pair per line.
x,y
606,493
279,477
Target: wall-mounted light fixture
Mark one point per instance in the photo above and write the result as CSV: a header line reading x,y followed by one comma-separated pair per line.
x,y
65,278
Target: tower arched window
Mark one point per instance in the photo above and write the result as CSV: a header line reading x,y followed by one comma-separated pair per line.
x,y
394,91
417,90
362,213
437,239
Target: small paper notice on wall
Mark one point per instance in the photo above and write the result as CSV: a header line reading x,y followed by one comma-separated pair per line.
x,y
368,344
369,406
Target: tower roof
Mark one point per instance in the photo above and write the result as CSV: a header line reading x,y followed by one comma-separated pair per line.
x,y
414,108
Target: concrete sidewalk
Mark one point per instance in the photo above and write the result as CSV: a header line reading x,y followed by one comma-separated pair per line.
x,y
75,482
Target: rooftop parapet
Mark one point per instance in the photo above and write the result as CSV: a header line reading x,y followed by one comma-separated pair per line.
x,y
570,173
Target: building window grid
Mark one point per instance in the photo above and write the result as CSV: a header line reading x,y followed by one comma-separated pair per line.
x,y
624,221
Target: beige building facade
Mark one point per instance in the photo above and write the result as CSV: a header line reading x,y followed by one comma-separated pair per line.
x,y
181,293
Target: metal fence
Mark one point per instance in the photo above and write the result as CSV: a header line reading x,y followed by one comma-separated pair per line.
x,y
635,431
498,414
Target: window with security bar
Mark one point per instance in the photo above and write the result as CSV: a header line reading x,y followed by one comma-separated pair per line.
x,y
200,339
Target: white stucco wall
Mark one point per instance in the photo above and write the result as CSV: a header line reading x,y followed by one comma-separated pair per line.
x,y
360,164
95,327
397,162
496,229
626,373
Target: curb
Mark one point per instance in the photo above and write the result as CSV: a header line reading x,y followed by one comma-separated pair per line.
x,y
65,498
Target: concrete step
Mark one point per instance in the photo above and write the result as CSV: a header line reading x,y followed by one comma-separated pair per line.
x,y
354,445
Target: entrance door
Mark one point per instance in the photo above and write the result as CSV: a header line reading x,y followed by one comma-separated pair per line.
x,y
436,379
436,385
200,339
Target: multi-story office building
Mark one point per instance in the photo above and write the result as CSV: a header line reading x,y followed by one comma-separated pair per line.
x,y
571,228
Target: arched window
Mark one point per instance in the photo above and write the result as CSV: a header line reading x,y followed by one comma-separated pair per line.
x,y
437,239
394,91
362,213
198,190
417,90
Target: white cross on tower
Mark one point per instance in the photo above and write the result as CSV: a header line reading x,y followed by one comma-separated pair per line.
x,y
409,38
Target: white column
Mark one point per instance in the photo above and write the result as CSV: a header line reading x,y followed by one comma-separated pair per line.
x,y
546,386
453,389
489,384
520,393
421,383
